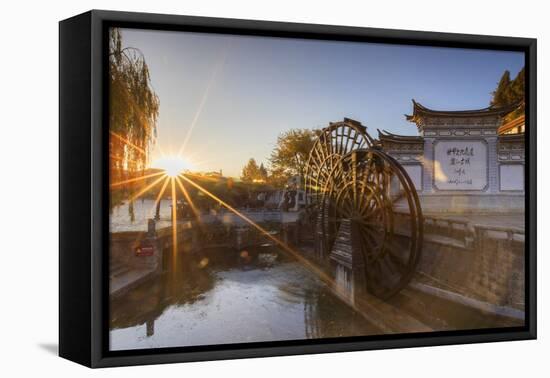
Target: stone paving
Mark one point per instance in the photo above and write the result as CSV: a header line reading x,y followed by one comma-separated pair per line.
x,y
128,279
500,220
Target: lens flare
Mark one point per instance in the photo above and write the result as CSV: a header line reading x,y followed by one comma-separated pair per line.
x,y
172,165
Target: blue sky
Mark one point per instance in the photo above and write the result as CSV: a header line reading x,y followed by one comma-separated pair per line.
x,y
237,94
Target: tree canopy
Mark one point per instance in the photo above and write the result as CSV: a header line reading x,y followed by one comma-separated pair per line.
x,y
509,92
254,173
289,157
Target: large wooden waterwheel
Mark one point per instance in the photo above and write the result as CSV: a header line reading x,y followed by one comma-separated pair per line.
x,y
349,177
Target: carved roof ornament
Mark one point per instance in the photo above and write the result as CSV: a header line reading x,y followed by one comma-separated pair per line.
x,y
422,114
384,135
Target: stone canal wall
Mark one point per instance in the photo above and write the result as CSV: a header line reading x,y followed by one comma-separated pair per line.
x,y
478,263
133,258
491,268
124,249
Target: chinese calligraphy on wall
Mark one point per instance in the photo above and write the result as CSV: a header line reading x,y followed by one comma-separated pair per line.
x,y
460,165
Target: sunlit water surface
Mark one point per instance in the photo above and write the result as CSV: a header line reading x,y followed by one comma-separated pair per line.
x,y
224,296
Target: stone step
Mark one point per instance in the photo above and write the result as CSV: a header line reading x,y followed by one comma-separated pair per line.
x,y
409,302
443,314
118,269
388,317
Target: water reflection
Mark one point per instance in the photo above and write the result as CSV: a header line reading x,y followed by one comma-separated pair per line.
x,y
224,296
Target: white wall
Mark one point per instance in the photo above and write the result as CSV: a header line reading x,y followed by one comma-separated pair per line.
x,y
512,177
415,173
28,155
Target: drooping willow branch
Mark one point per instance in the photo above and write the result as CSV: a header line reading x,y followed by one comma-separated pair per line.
x,y
133,110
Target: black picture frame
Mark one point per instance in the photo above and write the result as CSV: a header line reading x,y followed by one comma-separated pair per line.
x,y
83,196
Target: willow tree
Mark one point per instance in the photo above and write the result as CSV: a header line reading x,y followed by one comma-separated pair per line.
x,y
133,111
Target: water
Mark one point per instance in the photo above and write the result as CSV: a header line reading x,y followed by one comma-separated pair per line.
x,y
144,209
224,296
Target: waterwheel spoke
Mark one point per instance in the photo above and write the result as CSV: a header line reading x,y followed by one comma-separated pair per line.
x,y
369,245
397,254
348,137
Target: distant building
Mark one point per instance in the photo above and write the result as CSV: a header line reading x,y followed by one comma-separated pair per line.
x,y
213,174
293,197
515,126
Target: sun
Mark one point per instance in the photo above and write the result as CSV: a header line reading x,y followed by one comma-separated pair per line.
x,y
171,165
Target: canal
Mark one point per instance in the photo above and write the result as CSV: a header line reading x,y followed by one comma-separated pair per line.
x,y
220,296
